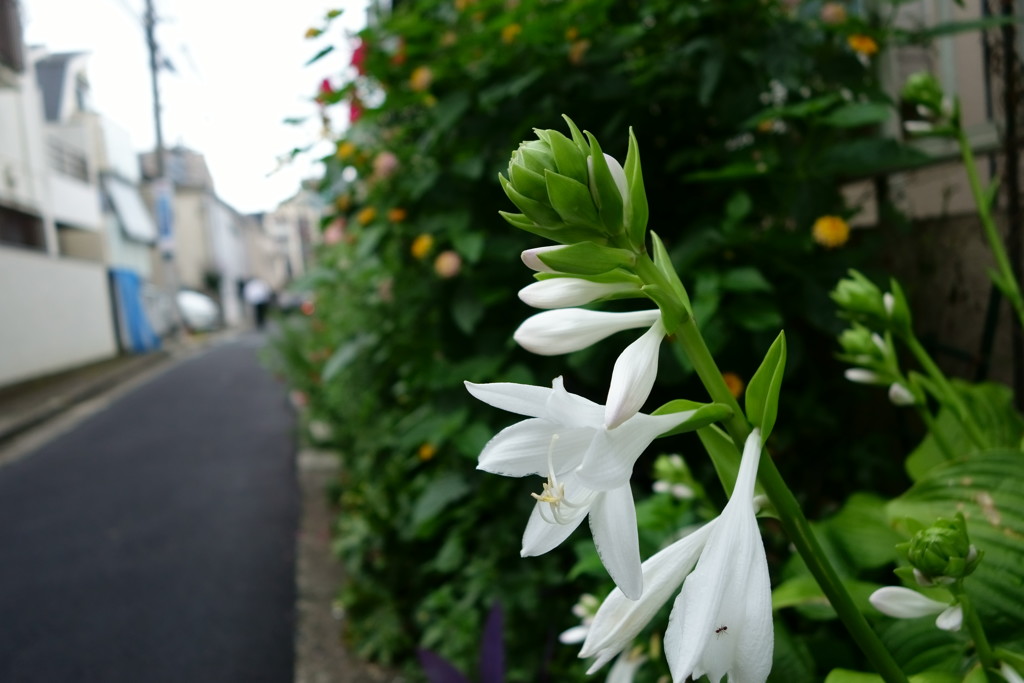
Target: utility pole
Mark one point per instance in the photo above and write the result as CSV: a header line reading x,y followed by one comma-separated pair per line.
x,y
163,186
150,22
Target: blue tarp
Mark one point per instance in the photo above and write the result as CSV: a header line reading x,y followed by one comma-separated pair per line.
x,y
135,326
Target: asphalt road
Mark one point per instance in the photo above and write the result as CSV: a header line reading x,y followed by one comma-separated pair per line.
x,y
156,541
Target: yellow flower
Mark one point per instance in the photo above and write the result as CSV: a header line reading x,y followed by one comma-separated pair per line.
x,y
766,126
510,33
312,32
572,33
831,231
397,215
366,215
343,202
426,452
734,383
421,246
346,150
421,78
863,44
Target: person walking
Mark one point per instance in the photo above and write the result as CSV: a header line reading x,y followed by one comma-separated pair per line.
x,y
257,294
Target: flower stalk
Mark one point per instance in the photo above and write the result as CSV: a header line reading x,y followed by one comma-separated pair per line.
x,y
791,516
1005,278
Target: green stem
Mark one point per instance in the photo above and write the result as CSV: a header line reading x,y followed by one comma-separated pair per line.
x,y
949,396
981,645
795,524
933,429
1010,287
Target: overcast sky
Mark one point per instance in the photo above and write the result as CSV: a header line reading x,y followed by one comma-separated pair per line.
x,y
238,74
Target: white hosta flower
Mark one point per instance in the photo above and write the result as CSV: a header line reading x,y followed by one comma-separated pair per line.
x,y
552,333
721,622
562,292
563,331
587,467
905,603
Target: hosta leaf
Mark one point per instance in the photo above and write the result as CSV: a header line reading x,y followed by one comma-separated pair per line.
x,y
989,490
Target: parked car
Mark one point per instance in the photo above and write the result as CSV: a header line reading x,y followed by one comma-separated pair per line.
x,y
199,312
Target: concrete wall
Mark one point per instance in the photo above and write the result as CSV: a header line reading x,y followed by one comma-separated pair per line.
x,y
55,315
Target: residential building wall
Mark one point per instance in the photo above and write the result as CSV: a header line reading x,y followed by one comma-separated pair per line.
x,y
56,312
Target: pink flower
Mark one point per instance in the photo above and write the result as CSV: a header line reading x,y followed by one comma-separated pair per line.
x,y
447,264
384,165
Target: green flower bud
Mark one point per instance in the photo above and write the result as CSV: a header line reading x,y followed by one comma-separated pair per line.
x,y
943,551
859,297
858,342
861,300
923,89
570,191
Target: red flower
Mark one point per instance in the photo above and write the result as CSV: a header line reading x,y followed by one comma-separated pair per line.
x,y
359,57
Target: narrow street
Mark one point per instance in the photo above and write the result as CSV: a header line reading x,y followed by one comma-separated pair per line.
x,y
156,540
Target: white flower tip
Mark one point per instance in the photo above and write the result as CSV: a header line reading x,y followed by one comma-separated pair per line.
x,y
889,301
862,376
899,395
951,619
531,259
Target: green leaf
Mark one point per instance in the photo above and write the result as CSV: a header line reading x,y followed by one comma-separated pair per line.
x,y
993,410
704,414
345,354
869,156
804,592
664,264
587,258
987,489
569,158
571,199
710,75
762,397
856,114
470,245
638,211
861,531
439,494
610,200
745,279
320,55
467,309
953,27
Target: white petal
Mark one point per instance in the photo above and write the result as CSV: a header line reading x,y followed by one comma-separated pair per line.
x,y
624,669
562,331
561,292
1010,674
524,448
862,376
620,620
541,536
619,176
951,618
522,399
576,634
609,460
721,621
899,395
613,524
634,373
904,603
571,410
531,258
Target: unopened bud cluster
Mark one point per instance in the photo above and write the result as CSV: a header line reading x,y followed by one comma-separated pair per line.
x,y
939,114
943,553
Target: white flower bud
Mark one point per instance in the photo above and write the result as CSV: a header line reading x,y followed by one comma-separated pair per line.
x,y
899,395
564,292
863,376
531,257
